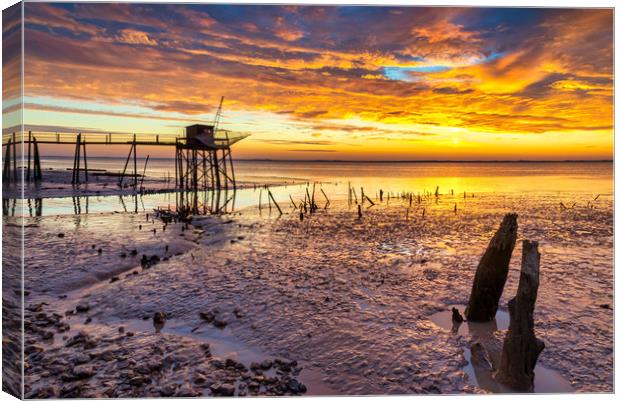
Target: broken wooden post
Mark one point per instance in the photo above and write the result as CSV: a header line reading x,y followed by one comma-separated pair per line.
x,y
492,272
274,201
326,198
359,211
521,347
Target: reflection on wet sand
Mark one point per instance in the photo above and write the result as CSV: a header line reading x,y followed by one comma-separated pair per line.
x,y
201,202
484,352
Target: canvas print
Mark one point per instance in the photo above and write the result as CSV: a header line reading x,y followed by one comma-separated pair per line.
x,y
205,200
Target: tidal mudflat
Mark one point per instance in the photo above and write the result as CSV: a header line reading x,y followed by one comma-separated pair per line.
x,y
124,304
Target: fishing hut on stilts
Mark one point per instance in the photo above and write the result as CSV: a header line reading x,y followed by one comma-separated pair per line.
x,y
203,158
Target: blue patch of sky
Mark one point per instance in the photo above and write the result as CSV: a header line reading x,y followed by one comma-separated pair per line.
x,y
404,73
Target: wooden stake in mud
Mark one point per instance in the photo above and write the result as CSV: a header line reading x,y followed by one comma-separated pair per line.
x,y
326,198
380,195
274,201
359,211
369,200
492,272
521,347
292,201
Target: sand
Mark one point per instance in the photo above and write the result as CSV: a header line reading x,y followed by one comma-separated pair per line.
x,y
348,305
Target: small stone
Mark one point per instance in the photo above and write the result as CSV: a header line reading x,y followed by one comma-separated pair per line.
x,y
167,390
159,320
61,235
239,313
255,366
225,389
199,379
186,390
114,279
32,349
82,307
80,359
47,335
82,372
219,322
293,386
207,316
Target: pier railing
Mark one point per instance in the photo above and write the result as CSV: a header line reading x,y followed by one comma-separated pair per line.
x,y
222,138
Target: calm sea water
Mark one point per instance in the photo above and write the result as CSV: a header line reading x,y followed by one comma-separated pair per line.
x,y
536,179
459,176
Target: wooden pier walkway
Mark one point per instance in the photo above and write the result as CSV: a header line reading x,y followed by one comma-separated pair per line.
x,y
197,162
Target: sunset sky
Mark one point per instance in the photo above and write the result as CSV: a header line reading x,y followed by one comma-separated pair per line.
x,y
365,83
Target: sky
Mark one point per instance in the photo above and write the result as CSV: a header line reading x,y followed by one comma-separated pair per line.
x,y
317,82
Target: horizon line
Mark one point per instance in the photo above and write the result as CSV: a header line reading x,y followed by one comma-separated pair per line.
x,y
377,161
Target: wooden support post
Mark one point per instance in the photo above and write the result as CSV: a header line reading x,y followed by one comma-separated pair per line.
x,y
75,178
135,164
181,177
120,182
225,169
38,176
14,158
29,151
492,272
85,162
6,170
521,347
232,170
144,172
79,157
195,169
176,164
74,166
217,170
204,169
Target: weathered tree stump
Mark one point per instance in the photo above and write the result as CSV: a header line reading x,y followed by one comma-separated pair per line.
x,y
521,347
492,272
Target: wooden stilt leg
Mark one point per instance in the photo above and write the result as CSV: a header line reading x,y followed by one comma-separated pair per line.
x,y
6,170
29,148
85,162
79,152
135,164
38,176
14,158
120,182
